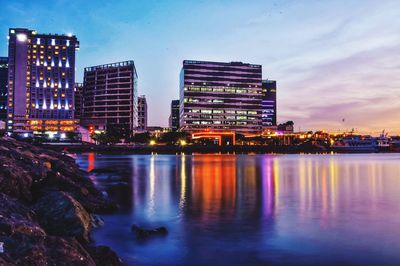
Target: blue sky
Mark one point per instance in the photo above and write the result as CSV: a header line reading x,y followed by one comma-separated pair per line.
x,y
331,59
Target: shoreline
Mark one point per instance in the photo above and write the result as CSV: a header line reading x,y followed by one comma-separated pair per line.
x,y
193,149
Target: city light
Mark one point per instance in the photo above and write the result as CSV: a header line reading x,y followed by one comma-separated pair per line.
x,y
21,37
152,142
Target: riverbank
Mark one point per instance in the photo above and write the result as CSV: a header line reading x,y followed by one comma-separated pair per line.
x,y
48,208
188,149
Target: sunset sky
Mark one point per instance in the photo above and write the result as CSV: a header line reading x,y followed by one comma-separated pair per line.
x,y
333,60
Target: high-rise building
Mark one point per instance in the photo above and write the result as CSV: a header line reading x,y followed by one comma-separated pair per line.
x,y
110,96
3,87
268,103
142,113
78,94
41,77
174,116
220,97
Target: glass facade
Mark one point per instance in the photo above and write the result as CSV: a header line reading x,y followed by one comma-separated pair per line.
x,y
174,117
41,81
269,103
142,113
3,87
220,97
110,95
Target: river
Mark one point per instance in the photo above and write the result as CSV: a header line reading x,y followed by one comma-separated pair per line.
x,y
333,209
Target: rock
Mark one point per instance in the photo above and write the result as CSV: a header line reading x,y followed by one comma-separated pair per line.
x,y
17,218
22,249
44,203
97,221
28,172
104,256
145,233
25,243
61,215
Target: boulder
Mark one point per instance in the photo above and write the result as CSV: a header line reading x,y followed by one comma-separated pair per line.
x,y
61,215
23,249
104,256
25,243
142,233
28,172
17,218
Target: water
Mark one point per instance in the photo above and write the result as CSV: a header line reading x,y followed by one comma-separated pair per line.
x,y
253,209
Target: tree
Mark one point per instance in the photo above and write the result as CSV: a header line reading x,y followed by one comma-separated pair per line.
x,y
173,137
141,137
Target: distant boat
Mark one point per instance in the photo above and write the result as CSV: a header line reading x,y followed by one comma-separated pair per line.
x,y
355,143
383,142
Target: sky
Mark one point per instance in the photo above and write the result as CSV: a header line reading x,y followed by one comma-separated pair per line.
x,y
337,63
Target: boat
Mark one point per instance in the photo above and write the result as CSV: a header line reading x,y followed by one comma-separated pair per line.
x,y
356,143
383,142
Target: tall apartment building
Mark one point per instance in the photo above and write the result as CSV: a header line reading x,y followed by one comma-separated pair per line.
x,y
220,97
41,77
142,113
268,103
110,96
78,94
3,87
174,116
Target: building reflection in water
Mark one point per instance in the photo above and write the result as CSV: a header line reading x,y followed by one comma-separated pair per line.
x,y
211,187
251,206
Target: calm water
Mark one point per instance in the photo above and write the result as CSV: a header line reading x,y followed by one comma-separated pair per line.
x,y
253,209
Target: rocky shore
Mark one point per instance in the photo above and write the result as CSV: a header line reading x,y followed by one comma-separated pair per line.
x,y
47,209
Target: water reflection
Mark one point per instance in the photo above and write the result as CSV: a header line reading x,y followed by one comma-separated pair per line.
x,y
256,209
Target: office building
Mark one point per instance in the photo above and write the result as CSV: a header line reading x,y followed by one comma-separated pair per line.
x,y
220,97
41,77
3,87
110,96
174,116
78,102
268,103
142,113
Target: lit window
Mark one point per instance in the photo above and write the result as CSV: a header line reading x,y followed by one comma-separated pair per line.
x,y
53,42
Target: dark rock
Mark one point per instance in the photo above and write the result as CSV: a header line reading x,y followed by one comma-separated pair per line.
x,y
145,233
25,243
61,215
104,256
61,194
97,221
22,249
17,218
28,172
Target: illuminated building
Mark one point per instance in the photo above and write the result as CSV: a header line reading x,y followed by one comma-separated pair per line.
x,y
3,87
268,103
220,97
78,90
41,81
174,116
142,113
110,96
